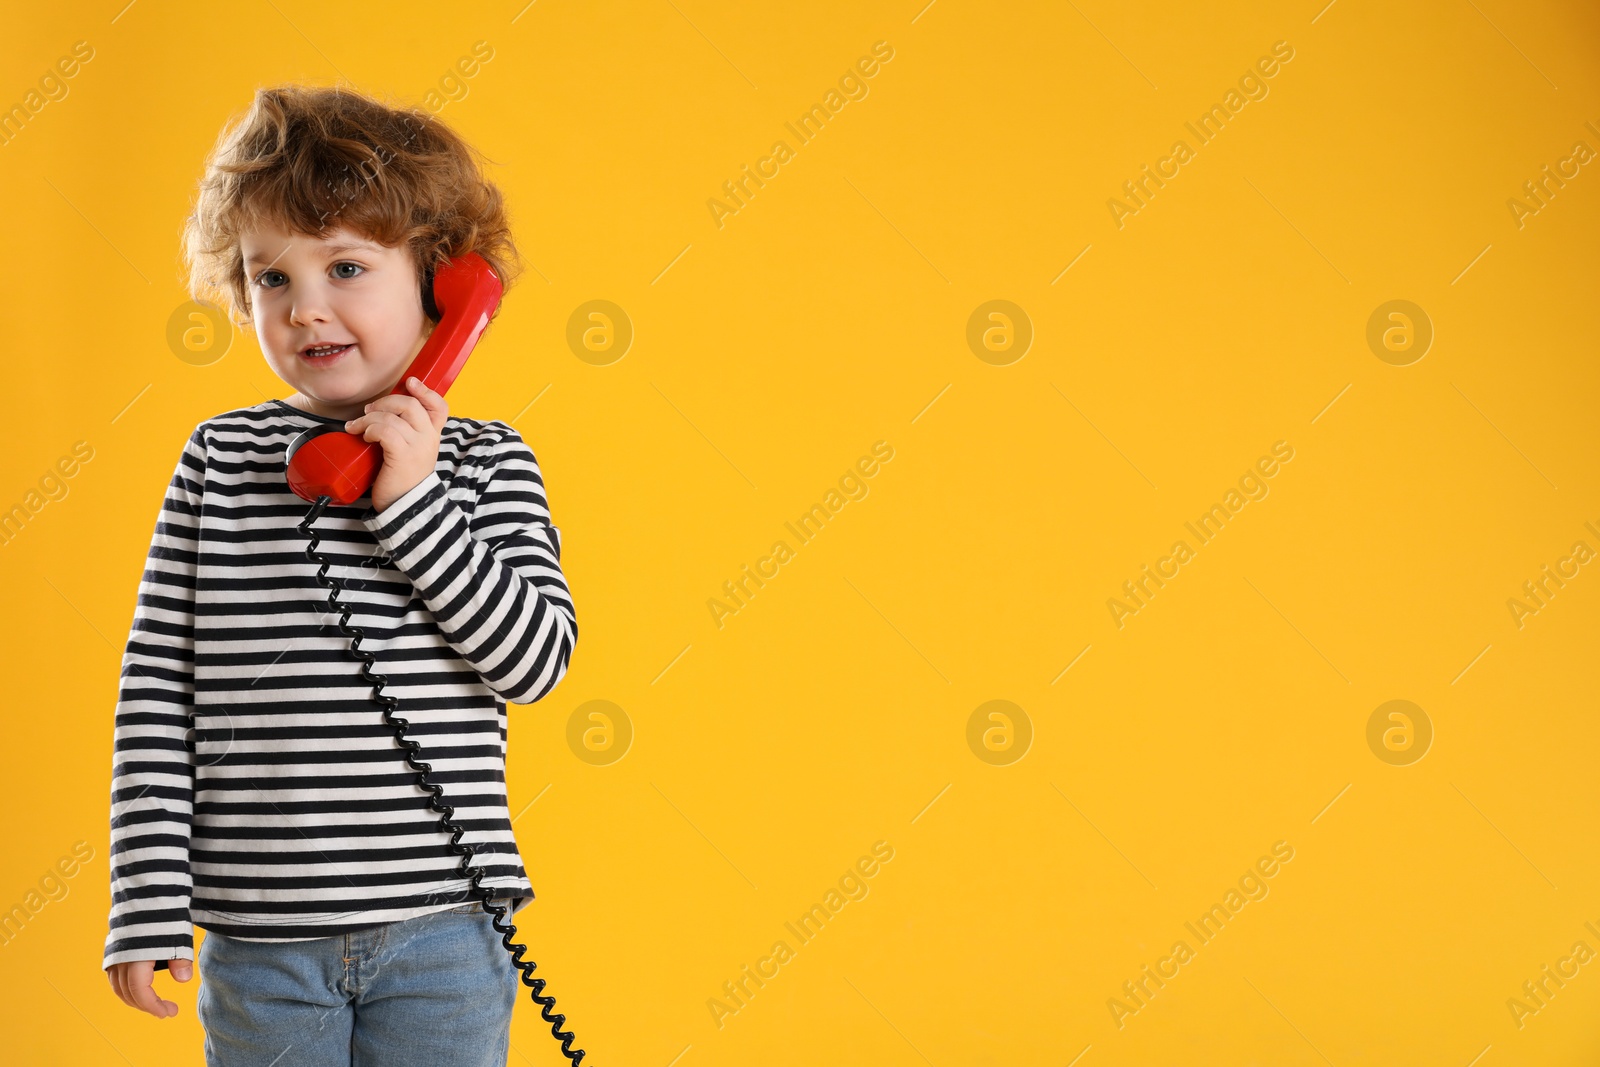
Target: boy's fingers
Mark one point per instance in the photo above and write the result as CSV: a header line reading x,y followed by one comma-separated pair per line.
x,y
381,430
428,412
391,404
121,981
144,995
411,416
418,389
419,406
182,970
437,407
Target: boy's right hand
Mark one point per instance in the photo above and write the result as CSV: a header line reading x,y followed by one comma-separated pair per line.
x,y
132,982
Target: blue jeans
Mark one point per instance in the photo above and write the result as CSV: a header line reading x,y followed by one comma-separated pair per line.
x,y
434,991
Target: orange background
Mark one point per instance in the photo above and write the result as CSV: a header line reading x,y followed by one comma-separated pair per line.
x,y
835,709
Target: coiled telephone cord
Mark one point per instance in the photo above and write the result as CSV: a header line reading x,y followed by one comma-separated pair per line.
x,y
435,792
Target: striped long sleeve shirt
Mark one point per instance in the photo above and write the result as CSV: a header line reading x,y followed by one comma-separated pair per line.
x,y
256,790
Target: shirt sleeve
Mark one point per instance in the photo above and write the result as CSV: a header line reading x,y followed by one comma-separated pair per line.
x,y
152,773
493,579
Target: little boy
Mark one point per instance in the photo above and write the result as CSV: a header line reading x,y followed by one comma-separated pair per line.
x,y
257,792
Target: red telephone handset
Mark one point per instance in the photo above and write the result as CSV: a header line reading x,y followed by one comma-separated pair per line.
x,y
328,460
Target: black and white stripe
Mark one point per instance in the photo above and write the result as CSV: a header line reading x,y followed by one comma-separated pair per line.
x,y
256,790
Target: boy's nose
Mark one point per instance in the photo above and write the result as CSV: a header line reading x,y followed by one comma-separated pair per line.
x,y
306,311
309,304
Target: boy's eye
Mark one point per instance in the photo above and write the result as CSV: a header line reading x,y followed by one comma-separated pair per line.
x,y
264,278
347,277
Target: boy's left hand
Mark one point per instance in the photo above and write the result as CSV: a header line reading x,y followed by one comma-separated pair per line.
x,y
408,429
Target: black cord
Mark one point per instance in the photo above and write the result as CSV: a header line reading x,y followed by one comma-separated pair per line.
x,y
446,812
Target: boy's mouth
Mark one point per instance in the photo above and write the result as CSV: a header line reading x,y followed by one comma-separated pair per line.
x,y
323,354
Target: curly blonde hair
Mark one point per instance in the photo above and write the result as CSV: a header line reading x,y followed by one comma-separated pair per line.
x,y
309,158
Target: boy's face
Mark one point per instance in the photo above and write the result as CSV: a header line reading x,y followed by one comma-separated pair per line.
x,y
338,289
